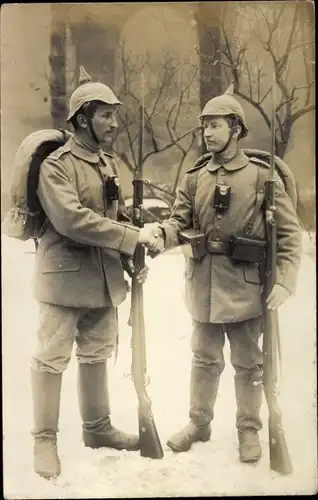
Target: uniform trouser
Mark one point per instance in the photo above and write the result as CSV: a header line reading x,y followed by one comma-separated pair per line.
x,y
208,363
93,330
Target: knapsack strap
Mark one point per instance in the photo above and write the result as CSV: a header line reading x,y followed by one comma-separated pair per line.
x,y
258,203
193,190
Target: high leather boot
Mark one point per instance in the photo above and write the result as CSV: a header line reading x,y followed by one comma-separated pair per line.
x,y
248,390
46,392
95,410
203,391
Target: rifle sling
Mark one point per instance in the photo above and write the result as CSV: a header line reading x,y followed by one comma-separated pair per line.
x,y
195,220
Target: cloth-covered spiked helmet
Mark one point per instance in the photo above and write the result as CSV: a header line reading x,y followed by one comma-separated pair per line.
x,y
90,91
224,105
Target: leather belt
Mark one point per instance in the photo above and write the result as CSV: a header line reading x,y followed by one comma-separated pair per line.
x,y
221,247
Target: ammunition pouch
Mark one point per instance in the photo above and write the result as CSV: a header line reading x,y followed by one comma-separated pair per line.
x,y
238,248
193,243
242,249
111,189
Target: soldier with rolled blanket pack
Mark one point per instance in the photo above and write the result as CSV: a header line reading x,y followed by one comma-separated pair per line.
x,y
87,242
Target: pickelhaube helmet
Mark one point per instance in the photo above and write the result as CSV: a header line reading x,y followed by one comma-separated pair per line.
x,y
224,105
90,91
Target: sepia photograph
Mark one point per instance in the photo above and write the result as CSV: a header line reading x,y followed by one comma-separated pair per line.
x,y
158,249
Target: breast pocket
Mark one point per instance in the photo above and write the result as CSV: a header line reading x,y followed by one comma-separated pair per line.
x,y
251,274
53,263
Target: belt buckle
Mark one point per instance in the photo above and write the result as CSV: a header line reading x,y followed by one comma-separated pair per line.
x,y
217,245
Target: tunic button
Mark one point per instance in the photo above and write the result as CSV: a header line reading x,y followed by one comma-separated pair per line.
x,y
222,172
217,238
217,227
219,216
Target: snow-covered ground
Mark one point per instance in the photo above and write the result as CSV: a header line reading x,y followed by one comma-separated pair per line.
x,y
209,469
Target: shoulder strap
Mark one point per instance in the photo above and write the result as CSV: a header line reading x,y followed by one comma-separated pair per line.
x,y
200,162
258,203
193,189
282,169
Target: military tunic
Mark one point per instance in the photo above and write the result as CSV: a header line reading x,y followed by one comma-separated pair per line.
x,y
79,261
217,290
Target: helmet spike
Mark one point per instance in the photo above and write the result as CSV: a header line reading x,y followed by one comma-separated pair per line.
x,y
230,90
84,76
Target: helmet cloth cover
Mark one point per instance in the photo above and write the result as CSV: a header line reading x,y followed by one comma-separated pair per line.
x,y
224,105
90,91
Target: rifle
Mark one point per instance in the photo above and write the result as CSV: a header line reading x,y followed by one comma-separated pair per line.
x,y
150,445
279,456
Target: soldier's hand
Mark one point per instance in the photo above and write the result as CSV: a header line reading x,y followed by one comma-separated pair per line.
x,y
159,245
156,249
142,275
149,236
277,297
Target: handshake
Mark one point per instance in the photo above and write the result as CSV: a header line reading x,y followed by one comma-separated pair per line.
x,y
152,237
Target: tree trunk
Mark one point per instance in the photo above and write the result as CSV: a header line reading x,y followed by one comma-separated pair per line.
x,y
208,22
208,18
57,60
281,149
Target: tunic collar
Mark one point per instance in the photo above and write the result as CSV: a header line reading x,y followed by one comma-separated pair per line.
x,y
240,160
84,151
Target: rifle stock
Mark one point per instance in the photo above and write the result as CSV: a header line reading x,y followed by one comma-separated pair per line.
x,y
150,445
278,451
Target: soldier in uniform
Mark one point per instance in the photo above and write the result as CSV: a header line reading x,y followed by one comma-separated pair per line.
x,y
220,196
87,243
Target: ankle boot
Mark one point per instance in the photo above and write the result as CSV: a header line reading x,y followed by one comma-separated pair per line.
x,y
95,410
46,392
183,440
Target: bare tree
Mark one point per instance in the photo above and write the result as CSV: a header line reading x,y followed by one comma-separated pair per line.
x,y
169,94
271,36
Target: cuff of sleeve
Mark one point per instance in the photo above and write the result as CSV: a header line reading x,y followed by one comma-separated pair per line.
x,y
287,280
170,235
162,233
130,240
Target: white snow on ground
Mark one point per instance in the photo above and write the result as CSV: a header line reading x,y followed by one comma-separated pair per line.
x,y
209,469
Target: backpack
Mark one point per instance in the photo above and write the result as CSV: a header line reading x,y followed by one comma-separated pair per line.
x,y
25,219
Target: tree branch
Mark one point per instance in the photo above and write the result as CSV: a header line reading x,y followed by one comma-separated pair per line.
x,y
165,148
302,112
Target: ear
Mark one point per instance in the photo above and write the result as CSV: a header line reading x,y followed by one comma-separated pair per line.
x,y
82,120
237,132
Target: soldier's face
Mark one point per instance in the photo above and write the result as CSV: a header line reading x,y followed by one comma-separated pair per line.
x,y
216,133
105,123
